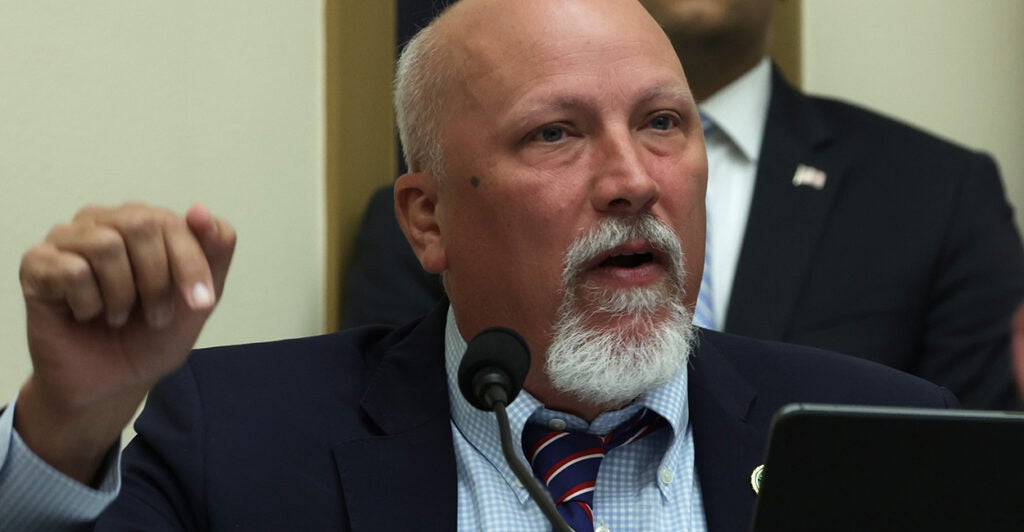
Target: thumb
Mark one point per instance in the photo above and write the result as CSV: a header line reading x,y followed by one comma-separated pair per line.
x,y
217,239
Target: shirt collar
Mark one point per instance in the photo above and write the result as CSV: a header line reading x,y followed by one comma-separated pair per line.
x,y
480,428
740,109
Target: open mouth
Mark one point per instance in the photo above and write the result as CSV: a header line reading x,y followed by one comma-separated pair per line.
x,y
628,260
630,256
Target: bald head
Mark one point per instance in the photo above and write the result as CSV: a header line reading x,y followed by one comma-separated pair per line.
x,y
476,38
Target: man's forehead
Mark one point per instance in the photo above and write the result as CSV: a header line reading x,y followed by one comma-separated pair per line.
x,y
559,63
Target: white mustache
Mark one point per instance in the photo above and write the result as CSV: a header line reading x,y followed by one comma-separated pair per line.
x,y
615,231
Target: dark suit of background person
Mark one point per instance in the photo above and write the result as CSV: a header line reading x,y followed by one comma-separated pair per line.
x,y
352,430
908,256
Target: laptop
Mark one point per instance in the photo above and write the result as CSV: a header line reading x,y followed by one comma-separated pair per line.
x,y
830,467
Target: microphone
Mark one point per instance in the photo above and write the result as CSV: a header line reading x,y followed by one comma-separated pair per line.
x,y
491,375
494,368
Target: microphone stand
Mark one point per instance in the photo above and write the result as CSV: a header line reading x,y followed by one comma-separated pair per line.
x,y
539,494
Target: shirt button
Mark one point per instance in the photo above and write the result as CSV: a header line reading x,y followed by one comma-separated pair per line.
x,y
557,424
665,475
602,528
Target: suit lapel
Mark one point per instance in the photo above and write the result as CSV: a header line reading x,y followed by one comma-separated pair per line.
x,y
786,221
404,477
727,447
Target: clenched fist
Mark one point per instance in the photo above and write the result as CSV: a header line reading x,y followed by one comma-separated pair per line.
x,y
115,300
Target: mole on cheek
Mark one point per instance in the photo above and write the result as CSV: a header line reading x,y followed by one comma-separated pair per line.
x,y
474,181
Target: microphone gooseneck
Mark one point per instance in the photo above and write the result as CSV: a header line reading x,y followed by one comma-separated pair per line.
x,y
491,375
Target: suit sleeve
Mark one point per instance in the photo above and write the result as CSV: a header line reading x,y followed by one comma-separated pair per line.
x,y
385,283
977,284
163,467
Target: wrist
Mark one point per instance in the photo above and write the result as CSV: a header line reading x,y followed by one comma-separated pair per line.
x,y
73,437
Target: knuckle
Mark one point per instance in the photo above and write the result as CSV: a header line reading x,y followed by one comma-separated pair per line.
x,y
139,225
85,305
33,271
77,275
34,257
105,246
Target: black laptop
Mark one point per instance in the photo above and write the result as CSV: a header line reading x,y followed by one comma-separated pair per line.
x,y
833,467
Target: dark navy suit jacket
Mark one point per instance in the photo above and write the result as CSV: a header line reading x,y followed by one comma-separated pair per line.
x,y
908,256
352,430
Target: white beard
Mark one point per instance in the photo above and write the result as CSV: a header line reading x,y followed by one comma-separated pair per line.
x,y
611,366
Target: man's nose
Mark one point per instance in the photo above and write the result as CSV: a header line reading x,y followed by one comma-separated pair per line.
x,y
623,182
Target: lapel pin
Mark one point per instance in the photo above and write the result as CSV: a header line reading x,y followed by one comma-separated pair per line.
x,y
756,477
809,176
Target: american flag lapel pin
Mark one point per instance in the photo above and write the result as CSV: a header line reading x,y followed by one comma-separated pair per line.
x,y
809,176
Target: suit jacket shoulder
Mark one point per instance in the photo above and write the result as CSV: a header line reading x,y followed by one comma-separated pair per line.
x,y
783,373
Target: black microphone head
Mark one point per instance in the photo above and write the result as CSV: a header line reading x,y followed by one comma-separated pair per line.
x,y
495,356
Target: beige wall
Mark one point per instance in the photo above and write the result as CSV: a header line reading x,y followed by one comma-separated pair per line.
x,y
950,66
169,102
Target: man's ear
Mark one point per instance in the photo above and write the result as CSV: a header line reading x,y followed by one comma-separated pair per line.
x,y
416,209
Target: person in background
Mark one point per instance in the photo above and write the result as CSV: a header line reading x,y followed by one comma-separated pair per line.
x,y
560,191
828,225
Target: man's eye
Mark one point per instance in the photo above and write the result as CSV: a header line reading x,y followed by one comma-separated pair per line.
x,y
551,134
663,122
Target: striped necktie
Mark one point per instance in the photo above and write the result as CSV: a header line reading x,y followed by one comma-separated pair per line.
x,y
704,314
567,462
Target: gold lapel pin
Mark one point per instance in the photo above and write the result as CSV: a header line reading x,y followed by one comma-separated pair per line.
x,y
756,477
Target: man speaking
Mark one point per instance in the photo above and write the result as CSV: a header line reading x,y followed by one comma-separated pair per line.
x,y
557,179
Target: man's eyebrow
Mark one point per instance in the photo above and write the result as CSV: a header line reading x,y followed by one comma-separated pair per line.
x,y
572,102
674,92
526,115
556,103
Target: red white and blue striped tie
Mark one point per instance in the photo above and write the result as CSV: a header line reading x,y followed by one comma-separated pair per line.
x,y
567,462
